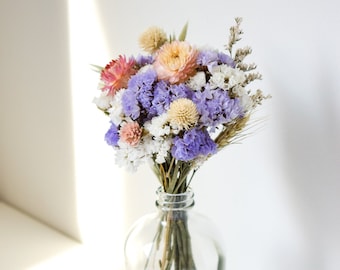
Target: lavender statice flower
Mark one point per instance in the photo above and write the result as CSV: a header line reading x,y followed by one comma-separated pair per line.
x,y
165,93
137,98
143,60
162,98
194,143
215,107
224,58
112,135
180,91
130,104
208,58
211,58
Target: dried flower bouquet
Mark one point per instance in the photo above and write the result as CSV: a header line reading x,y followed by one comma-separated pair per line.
x,y
176,106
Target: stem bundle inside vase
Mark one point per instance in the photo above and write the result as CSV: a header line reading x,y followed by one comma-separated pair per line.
x,y
172,247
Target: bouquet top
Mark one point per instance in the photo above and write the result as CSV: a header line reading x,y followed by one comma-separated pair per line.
x,y
177,104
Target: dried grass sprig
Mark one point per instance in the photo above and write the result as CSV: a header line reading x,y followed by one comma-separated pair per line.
x,y
258,97
246,67
242,53
235,34
230,131
250,77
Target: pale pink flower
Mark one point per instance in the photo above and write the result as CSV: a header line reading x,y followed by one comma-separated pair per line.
x,y
131,133
176,61
117,73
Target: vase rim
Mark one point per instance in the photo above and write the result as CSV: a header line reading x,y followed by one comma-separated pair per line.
x,y
161,191
180,201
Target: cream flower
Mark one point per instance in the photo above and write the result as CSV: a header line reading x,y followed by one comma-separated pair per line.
x,y
152,39
176,62
182,113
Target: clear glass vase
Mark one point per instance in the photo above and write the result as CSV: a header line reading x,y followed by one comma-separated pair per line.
x,y
174,238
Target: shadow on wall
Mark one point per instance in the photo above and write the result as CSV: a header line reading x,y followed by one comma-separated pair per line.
x,y
36,158
310,136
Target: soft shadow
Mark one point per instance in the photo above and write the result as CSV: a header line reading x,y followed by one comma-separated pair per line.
x,y
310,136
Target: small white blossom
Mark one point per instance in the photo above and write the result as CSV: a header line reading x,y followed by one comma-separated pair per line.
x,y
226,77
217,80
245,100
198,81
103,101
130,157
116,108
157,126
159,147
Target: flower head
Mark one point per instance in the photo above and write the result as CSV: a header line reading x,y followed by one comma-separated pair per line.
x,y
152,39
176,62
215,107
117,73
131,133
112,135
182,113
193,144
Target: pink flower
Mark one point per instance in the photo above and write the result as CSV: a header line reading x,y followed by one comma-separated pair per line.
x,y
117,73
176,61
131,133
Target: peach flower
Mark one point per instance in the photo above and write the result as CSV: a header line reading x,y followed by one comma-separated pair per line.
x,y
131,133
176,61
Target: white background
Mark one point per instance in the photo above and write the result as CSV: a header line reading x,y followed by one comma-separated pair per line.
x,y
275,197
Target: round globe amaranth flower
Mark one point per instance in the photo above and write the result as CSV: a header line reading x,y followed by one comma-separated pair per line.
x,y
182,113
131,133
152,39
117,73
176,62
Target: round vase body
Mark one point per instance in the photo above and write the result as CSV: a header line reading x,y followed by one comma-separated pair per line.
x,y
174,238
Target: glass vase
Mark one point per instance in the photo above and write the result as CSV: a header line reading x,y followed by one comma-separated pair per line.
x,y
174,238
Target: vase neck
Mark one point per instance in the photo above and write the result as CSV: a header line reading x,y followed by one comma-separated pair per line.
x,y
181,201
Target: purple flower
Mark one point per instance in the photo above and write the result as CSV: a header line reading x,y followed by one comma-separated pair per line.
x,y
207,58
211,58
165,93
180,91
216,107
112,135
143,60
137,99
162,98
195,142
226,59
130,104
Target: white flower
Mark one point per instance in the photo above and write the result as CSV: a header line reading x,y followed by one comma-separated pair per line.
x,y
226,77
116,110
217,80
157,126
198,81
159,147
130,157
103,101
245,100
